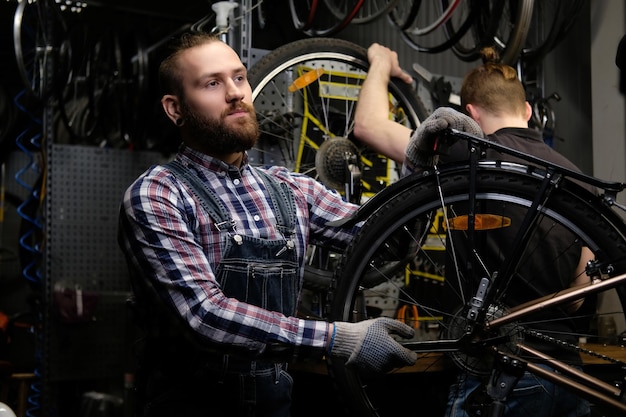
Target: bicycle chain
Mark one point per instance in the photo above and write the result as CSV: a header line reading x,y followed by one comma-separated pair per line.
x,y
577,348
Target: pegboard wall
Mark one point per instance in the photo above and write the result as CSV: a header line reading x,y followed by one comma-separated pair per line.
x,y
85,267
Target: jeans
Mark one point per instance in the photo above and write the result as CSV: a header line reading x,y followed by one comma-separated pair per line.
x,y
531,397
264,391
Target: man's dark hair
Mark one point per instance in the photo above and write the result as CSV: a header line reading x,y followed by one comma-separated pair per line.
x,y
169,74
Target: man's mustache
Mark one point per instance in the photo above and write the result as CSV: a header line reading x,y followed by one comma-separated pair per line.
x,y
238,107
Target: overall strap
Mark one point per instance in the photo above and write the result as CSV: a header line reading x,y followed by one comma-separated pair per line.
x,y
279,193
205,196
286,212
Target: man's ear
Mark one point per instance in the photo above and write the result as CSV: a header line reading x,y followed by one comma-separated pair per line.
x,y
171,106
529,111
472,111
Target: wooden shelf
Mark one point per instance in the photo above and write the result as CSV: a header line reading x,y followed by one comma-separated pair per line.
x,y
612,351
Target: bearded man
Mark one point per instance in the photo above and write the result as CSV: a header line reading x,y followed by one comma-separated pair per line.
x,y
216,249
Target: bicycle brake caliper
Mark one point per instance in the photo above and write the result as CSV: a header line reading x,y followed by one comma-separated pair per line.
x,y
597,271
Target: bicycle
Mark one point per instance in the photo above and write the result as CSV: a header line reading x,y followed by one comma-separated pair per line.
x,y
424,223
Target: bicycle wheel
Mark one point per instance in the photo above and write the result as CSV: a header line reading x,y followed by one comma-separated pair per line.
x,y
430,18
305,96
551,22
430,31
404,12
481,34
37,28
323,22
417,233
367,13
499,23
513,31
101,105
303,13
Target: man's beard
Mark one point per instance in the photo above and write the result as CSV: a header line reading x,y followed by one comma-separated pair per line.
x,y
214,136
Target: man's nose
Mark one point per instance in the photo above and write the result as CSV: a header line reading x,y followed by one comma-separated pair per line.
x,y
234,92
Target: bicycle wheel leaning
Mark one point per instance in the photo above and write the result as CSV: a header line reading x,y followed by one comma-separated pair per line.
x,y
420,229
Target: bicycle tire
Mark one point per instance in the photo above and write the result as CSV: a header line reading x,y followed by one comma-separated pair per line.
x,y
296,12
38,28
96,108
370,11
322,23
480,34
551,21
434,20
403,13
511,36
442,40
406,215
30,46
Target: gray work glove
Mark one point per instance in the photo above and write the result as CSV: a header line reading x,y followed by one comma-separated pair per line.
x,y
368,344
423,147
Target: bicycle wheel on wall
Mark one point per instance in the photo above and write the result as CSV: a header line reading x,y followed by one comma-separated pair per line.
x,y
305,95
513,30
551,21
309,19
368,12
398,261
436,28
482,31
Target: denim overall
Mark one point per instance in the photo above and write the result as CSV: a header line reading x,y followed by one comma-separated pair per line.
x,y
257,271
